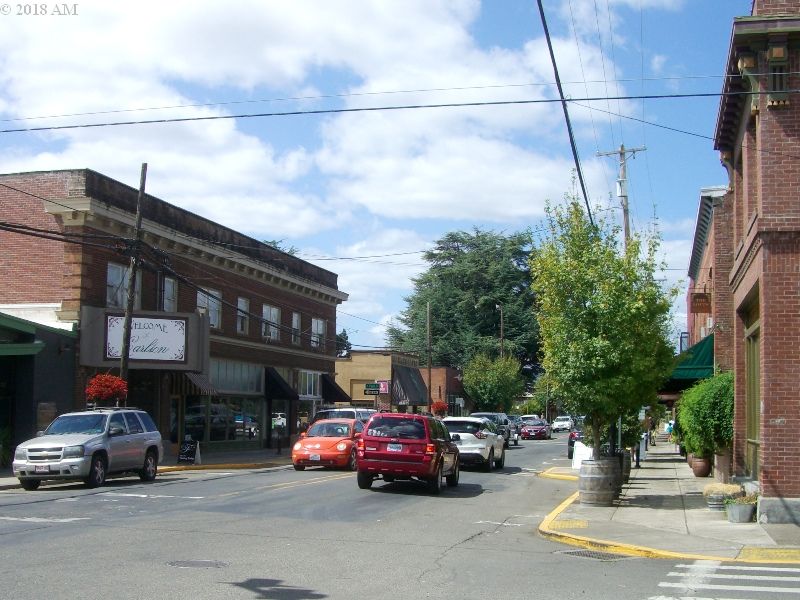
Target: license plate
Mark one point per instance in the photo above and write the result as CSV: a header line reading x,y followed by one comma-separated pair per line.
x,y
394,447
41,468
313,457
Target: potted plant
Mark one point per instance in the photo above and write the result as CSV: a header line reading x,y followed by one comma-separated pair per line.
x,y
439,409
106,390
706,418
742,508
717,493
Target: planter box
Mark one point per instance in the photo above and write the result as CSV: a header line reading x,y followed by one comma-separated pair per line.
x,y
741,513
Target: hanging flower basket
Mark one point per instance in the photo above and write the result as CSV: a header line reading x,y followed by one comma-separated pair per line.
x,y
106,390
439,408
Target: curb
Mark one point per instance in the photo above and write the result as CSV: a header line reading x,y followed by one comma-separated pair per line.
x,y
768,555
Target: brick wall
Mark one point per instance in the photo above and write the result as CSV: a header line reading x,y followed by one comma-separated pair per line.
x,y
767,8
31,269
722,233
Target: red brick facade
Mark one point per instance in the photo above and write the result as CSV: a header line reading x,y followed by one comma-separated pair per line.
x,y
100,213
757,137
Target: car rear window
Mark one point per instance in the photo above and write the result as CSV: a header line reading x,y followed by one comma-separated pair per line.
x,y
462,426
410,429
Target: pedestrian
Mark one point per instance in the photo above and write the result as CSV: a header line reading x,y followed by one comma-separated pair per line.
x,y
652,431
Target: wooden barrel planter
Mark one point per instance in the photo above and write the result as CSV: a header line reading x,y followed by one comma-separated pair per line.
x,y
598,480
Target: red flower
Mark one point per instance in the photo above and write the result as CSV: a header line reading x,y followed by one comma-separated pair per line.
x,y
106,388
439,408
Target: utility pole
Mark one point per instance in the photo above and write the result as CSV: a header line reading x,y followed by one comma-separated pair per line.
x,y
622,184
499,305
430,364
134,265
622,194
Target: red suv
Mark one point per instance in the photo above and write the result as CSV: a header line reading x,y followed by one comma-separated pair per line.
x,y
407,446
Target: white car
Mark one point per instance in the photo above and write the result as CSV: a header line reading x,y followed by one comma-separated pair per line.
x,y
479,441
562,423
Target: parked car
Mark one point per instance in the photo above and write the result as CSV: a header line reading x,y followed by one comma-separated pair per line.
x,y
362,414
562,423
536,429
328,443
529,417
90,445
479,441
576,435
500,419
402,446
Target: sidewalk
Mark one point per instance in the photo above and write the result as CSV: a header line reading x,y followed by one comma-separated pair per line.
x,y
661,513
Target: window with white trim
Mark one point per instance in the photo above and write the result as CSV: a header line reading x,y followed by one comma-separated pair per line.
x,y
296,328
209,300
318,333
308,383
270,328
117,287
242,315
169,295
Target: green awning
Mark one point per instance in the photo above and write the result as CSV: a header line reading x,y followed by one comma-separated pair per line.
x,y
697,362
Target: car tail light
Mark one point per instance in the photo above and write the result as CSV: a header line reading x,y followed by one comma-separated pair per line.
x,y
360,444
480,435
430,449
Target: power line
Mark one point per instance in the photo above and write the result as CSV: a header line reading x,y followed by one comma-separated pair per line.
x,y
384,108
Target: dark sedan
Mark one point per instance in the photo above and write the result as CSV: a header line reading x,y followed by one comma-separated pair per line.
x,y
535,429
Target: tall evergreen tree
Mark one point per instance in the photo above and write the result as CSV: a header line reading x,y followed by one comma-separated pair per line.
x,y
471,275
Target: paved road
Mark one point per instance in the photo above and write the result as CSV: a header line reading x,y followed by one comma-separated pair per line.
x,y
288,535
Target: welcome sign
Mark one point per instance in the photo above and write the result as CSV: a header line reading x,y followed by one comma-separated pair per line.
x,y
152,339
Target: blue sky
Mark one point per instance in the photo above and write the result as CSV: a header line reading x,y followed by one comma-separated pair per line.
x,y
363,193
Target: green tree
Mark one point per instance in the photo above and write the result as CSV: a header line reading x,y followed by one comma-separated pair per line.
x,y
603,317
343,345
470,276
493,384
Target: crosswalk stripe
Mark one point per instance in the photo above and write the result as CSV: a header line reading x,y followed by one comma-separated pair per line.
x,y
731,588
747,577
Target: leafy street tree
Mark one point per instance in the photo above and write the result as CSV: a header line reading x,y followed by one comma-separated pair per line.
x,y
603,317
470,277
493,384
343,345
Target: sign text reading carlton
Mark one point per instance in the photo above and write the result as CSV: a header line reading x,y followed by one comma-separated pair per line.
x,y
151,339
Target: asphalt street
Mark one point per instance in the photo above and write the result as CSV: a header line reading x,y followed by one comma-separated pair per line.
x,y
282,534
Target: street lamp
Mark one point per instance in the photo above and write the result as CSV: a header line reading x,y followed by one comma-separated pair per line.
x,y
499,307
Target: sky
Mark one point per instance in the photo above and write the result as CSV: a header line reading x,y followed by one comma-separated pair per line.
x,y
363,193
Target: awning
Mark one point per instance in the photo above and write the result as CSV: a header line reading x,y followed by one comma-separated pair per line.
x,y
698,361
408,388
202,383
332,392
276,386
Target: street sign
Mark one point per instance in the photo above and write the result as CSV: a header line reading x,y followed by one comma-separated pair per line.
x,y
372,386
371,392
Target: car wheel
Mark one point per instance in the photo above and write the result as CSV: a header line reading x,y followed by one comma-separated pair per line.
x,y
489,461
150,468
364,480
435,483
299,467
500,462
452,479
351,463
97,472
30,484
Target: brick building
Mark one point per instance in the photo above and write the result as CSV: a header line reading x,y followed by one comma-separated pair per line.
x,y
756,133
401,387
229,334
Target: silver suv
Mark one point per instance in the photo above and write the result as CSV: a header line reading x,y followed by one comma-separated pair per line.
x,y
89,445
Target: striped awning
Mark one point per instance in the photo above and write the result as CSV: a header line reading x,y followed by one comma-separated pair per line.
x,y
202,383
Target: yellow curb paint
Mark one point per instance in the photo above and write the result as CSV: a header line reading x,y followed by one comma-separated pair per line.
x,y
552,473
770,554
547,529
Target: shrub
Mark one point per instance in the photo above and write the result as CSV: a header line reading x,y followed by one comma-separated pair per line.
x,y
726,489
705,413
105,389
